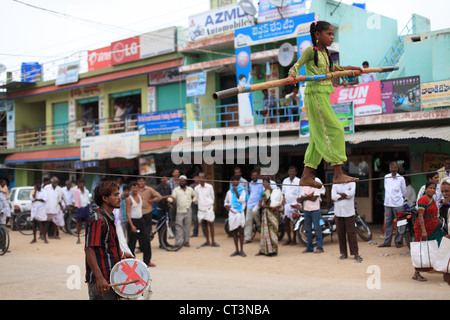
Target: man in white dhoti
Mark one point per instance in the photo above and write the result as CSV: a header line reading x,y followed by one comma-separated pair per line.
x,y
235,201
291,190
205,213
54,206
38,199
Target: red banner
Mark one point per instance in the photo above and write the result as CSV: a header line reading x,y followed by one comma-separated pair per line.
x,y
366,97
125,50
99,58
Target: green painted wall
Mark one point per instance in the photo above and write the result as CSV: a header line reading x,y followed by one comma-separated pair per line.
x,y
362,35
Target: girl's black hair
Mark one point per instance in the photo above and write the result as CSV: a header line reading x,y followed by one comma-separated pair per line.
x,y
319,26
429,183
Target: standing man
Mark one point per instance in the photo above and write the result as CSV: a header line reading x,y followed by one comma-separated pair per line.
x,y
38,198
444,172
54,205
444,205
343,196
137,226
195,208
242,181
82,205
205,194
184,196
235,201
175,180
4,197
291,190
394,200
163,205
367,77
310,197
102,248
69,197
255,190
149,196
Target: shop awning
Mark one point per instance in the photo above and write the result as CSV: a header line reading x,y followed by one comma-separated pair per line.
x,y
433,133
43,155
437,132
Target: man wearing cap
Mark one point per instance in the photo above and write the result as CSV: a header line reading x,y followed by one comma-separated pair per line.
x,y
184,196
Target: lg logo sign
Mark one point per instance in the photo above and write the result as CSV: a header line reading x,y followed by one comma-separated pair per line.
x,y
125,50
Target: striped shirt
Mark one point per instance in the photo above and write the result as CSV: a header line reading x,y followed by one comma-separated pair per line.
x,y
101,235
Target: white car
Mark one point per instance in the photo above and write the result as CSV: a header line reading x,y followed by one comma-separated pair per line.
x,y
19,201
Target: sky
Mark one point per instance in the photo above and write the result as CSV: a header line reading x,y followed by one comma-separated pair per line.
x,y
63,27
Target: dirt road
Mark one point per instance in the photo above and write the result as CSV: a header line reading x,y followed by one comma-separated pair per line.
x,y
56,271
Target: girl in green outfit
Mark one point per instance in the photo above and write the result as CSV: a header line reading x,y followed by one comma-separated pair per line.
x,y
326,135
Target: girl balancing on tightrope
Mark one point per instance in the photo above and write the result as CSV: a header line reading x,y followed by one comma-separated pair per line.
x,y
326,134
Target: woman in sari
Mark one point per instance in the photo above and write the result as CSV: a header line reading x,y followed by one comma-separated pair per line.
x,y
427,225
269,222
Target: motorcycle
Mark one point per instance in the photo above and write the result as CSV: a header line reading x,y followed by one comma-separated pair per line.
x,y
404,223
328,225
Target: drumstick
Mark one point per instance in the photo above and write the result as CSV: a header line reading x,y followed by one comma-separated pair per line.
x,y
123,283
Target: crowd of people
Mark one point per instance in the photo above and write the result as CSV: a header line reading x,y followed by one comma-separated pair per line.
x,y
258,199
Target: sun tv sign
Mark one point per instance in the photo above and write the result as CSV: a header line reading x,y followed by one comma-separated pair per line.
x,y
366,97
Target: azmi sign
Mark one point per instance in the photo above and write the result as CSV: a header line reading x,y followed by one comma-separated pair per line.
x,y
366,97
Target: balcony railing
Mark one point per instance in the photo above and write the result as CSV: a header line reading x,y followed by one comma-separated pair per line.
x,y
225,116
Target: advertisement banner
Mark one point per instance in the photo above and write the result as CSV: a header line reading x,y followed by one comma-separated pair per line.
x,y
366,97
435,94
401,94
217,21
160,123
275,30
165,76
269,12
121,145
244,78
344,112
147,165
125,50
99,58
196,84
67,73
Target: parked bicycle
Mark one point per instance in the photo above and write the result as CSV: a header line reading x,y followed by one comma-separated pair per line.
x,y
4,240
24,224
172,235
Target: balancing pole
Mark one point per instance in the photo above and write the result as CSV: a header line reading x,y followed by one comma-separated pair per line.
x,y
290,81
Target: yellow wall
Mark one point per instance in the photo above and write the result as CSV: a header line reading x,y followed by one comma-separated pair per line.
x,y
122,86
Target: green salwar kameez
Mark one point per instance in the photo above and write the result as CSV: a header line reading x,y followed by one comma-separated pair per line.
x,y
326,134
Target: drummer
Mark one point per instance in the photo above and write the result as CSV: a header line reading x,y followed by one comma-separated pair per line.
x,y
102,247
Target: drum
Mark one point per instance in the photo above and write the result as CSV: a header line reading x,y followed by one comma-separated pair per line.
x,y
130,270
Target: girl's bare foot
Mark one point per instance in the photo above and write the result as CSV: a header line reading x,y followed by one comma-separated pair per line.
x,y
309,182
343,178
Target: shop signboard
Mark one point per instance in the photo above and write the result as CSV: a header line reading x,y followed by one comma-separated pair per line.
x,y
218,21
125,50
196,84
344,112
401,94
99,58
435,94
366,97
273,31
121,145
269,12
67,73
160,123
